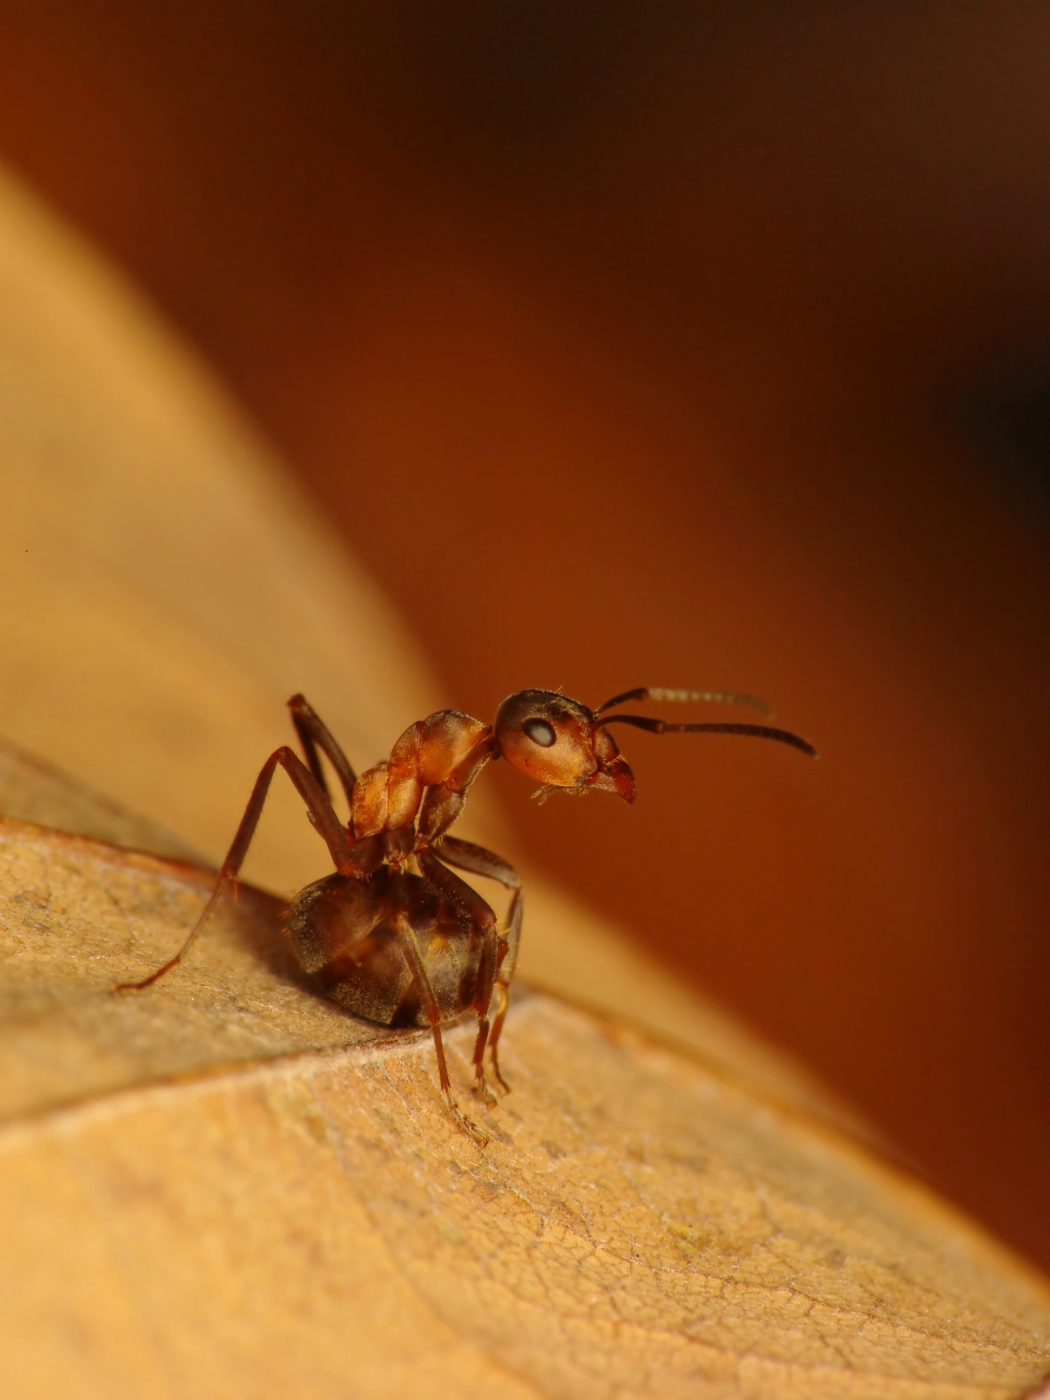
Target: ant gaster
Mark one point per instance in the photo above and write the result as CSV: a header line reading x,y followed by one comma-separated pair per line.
x,y
395,935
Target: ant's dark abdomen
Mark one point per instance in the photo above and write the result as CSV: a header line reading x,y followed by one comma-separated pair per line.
x,y
348,936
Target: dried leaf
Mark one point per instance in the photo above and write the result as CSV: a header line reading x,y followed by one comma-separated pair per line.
x,y
225,1185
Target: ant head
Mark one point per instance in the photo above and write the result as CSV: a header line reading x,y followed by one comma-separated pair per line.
x,y
560,743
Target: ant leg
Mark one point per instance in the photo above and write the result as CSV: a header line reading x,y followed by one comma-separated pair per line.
x,y
502,994
407,935
481,916
479,861
316,738
478,1061
321,815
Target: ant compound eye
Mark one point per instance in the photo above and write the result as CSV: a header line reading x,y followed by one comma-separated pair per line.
x,y
540,732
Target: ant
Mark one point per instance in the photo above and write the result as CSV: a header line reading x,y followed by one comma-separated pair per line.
x,y
394,935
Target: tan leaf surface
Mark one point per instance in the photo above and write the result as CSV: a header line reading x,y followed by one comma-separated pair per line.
x,y
225,1186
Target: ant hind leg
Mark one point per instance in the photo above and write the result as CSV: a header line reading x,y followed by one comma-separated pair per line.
x,y
316,739
321,814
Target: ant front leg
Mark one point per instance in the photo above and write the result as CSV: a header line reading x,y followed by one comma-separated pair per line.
x,y
321,814
482,917
477,860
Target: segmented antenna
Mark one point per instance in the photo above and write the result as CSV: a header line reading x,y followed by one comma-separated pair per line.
x,y
687,697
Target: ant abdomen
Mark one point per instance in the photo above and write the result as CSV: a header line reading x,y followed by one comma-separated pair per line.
x,y
350,936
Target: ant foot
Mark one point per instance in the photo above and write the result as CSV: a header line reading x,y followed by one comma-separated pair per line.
x,y
133,986
468,1125
153,977
484,1093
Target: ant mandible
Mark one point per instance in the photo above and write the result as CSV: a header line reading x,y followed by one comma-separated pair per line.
x,y
395,935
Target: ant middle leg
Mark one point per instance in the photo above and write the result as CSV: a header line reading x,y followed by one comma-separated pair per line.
x,y
407,934
321,814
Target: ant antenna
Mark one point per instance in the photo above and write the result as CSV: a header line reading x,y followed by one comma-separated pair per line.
x,y
756,731
688,697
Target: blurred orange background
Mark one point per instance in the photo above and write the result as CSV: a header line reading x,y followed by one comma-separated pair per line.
x,y
670,345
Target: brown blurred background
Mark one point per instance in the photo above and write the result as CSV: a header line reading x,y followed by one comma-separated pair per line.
x,y
672,345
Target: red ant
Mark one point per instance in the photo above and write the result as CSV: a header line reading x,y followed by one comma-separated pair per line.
x,y
396,936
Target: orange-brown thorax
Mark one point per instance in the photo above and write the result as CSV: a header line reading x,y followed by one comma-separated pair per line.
x,y
446,750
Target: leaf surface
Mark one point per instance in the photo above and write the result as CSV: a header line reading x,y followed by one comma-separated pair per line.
x,y
226,1184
